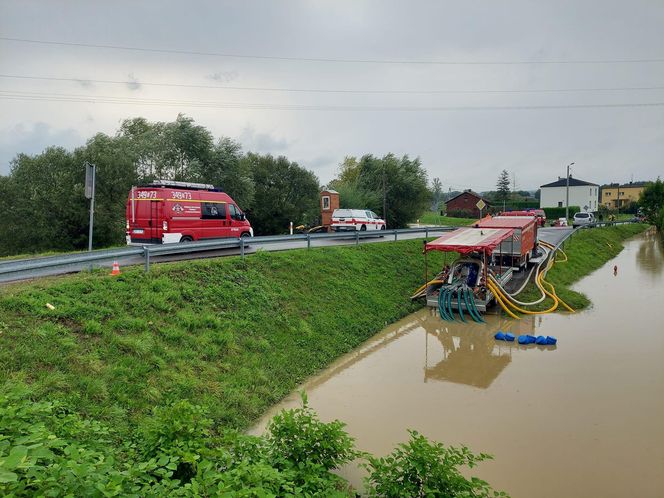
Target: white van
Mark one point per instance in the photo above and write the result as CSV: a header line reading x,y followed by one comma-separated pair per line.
x,y
356,219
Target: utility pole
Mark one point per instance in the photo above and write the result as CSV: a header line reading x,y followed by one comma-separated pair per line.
x,y
90,173
567,193
384,195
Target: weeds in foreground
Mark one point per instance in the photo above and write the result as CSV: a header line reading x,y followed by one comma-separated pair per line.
x,y
47,450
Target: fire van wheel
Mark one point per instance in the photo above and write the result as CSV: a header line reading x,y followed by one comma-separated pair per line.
x,y
382,227
186,239
363,228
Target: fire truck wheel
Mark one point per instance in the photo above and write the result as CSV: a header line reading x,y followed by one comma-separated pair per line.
x,y
363,228
186,239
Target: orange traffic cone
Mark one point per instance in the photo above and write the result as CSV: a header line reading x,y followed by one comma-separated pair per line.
x,y
116,268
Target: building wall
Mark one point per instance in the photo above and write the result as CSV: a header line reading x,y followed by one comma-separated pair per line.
x,y
329,201
582,196
465,202
611,199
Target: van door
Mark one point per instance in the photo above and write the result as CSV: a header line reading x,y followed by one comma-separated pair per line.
x,y
214,218
235,221
155,221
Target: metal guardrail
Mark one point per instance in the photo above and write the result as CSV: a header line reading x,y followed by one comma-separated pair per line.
x,y
28,266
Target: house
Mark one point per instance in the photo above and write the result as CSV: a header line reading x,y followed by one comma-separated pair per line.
x,y
615,195
581,193
465,204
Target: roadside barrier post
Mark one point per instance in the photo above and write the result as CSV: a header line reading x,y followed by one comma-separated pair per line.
x,y
395,236
357,238
426,232
242,247
308,241
146,255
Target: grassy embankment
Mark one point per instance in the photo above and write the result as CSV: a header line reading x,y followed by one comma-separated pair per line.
x,y
229,334
432,218
587,250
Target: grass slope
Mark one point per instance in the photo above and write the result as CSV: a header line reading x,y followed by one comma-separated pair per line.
x,y
587,250
235,335
432,218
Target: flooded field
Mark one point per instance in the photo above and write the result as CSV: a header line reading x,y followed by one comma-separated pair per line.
x,y
585,418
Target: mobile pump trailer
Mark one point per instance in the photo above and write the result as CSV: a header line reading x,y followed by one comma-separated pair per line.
x,y
517,250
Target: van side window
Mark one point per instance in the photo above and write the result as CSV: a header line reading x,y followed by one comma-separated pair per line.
x,y
213,211
235,212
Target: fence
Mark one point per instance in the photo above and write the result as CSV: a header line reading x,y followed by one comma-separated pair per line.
x,y
52,265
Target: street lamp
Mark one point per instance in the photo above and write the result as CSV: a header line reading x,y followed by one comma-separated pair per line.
x,y
567,193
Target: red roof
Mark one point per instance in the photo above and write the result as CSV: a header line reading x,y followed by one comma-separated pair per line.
x,y
506,222
466,240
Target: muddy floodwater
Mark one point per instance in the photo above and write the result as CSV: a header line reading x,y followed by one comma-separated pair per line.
x,y
582,419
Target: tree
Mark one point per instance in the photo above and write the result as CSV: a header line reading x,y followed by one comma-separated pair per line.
x,y
395,187
436,194
283,192
651,201
503,187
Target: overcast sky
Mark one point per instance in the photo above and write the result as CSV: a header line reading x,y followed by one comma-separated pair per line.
x,y
465,147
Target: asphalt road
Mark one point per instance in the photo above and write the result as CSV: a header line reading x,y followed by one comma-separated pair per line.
x,y
550,235
130,260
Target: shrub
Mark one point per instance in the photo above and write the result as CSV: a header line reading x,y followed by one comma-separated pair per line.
x,y
554,213
422,468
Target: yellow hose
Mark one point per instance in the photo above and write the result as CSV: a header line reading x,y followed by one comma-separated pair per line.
x,y
502,305
494,288
422,287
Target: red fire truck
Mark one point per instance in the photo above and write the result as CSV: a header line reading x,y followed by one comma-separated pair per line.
x,y
516,250
165,212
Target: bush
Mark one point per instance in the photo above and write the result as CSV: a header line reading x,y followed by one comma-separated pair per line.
x,y
559,212
45,450
423,468
461,213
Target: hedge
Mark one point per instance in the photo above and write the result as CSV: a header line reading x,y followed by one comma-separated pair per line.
x,y
554,213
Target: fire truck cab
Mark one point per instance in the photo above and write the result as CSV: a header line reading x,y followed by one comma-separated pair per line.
x,y
165,212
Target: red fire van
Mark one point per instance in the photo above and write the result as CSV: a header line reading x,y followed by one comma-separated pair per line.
x,y
165,212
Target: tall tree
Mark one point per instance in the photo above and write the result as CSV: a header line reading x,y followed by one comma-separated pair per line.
x,y
436,193
395,187
283,192
651,201
503,186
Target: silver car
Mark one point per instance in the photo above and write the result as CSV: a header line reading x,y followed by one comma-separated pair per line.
x,y
581,219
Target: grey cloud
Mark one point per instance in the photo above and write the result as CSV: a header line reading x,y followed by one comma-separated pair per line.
x,y
133,83
223,76
254,141
33,138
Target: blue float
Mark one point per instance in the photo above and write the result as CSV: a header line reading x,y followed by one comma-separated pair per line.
x,y
541,340
509,336
499,336
551,341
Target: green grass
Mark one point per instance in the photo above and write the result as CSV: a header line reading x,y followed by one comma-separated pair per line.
x,y
233,335
432,218
586,251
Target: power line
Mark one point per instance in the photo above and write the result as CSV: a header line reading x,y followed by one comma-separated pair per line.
x,y
325,59
322,90
100,99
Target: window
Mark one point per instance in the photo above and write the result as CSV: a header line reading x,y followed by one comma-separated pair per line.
x,y
326,202
236,214
560,204
368,213
591,191
213,211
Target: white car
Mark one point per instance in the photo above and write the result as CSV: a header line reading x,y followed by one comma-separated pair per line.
x,y
583,219
356,219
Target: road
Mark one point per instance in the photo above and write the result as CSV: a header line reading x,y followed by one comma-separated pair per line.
x,y
550,235
137,259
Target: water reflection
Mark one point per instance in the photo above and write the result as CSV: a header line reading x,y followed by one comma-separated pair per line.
x,y
470,354
650,254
